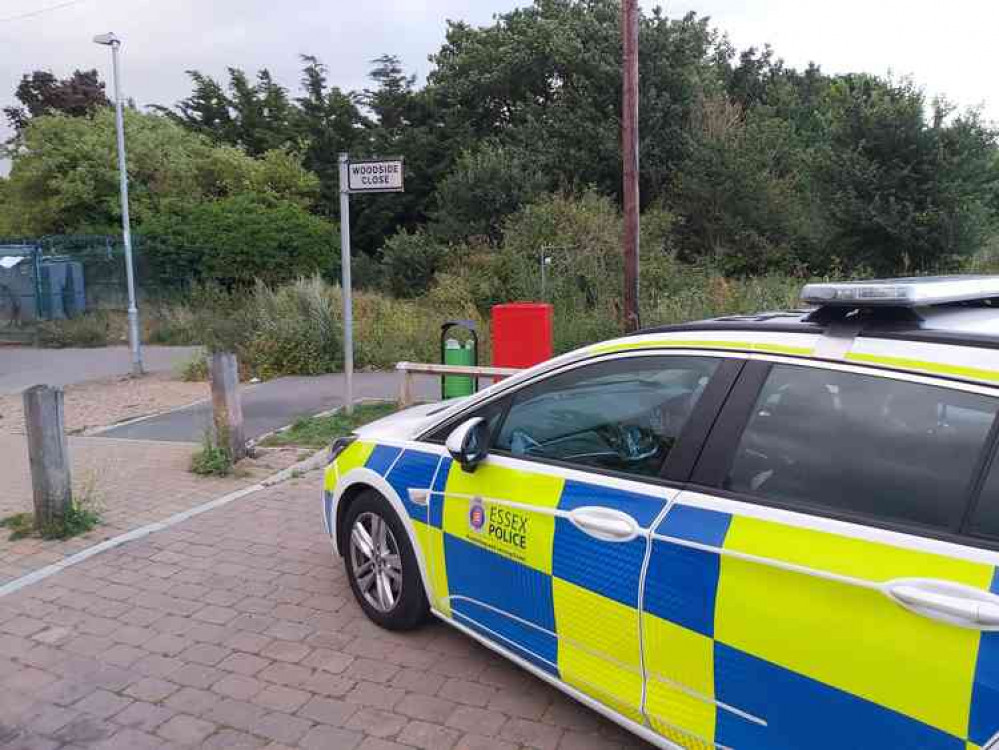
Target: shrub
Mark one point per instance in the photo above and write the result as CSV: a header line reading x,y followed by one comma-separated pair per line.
x,y
410,260
95,329
239,240
289,330
194,370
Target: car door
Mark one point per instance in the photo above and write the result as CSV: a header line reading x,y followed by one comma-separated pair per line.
x,y
818,585
544,543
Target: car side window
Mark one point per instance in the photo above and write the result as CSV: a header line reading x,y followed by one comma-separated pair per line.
x,y
985,517
858,444
491,412
621,415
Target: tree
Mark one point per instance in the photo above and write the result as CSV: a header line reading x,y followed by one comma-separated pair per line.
x,y
546,79
41,93
238,240
902,191
64,173
328,121
487,185
254,116
743,194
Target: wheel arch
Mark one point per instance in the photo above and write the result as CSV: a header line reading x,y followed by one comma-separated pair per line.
x,y
355,484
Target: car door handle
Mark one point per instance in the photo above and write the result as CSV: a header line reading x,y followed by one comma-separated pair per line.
x,y
605,524
949,602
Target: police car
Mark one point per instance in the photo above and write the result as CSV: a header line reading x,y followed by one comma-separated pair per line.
x,y
754,532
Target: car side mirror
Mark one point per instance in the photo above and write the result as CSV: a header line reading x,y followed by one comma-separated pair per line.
x,y
468,443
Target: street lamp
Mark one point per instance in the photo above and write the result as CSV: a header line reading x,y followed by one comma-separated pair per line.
x,y
110,40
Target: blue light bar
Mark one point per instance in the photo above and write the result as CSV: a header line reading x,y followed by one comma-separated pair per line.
x,y
912,292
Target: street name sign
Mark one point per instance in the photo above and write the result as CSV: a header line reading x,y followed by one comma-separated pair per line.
x,y
375,175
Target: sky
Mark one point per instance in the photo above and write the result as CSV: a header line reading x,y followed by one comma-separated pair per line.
x,y
946,47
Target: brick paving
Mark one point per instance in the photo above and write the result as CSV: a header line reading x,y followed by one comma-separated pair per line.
x,y
133,482
237,629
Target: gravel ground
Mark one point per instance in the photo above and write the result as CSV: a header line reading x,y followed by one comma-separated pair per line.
x,y
108,401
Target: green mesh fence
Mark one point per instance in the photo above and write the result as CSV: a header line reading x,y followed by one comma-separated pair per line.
x,y
63,276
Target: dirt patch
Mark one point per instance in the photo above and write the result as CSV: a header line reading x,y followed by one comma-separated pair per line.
x,y
99,403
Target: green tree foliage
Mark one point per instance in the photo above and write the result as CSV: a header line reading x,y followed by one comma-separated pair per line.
x,y
410,261
238,240
64,176
759,166
41,93
485,186
254,116
742,194
903,193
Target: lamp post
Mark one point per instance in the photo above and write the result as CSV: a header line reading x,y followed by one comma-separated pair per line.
x,y
110,40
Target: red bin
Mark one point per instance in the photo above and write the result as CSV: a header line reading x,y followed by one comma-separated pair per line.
x,y
522,334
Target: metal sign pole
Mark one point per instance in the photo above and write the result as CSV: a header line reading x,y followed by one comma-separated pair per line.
x,y
348,306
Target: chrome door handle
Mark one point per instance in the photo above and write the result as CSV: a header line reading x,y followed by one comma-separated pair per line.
x,y
606,524
948,602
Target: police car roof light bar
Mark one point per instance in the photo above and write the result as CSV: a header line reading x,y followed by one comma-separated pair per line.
x,y
904,292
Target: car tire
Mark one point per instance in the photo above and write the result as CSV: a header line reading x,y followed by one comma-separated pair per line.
x,y
385,577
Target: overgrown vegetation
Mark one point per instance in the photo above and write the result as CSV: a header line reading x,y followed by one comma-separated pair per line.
x,y
755,177
83,515
212,458
195,369
763,168
318,432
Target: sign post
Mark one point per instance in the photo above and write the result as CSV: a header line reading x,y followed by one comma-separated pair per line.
x,y
360,176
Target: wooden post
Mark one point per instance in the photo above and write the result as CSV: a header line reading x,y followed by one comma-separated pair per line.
x,y
406,387
629,150
48,453
227,410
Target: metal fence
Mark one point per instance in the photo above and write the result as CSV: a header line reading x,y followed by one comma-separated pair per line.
x,y
63,276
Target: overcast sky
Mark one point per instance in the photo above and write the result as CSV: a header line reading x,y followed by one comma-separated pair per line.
x,y
948,47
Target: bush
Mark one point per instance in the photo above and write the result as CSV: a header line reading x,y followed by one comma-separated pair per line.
x,y
96,329
194,370
238,241
410,260
290,330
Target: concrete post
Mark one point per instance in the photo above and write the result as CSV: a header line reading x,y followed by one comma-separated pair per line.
x,y
227,410
48,453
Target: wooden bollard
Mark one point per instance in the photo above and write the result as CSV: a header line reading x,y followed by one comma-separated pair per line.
x,y
227,410
48,453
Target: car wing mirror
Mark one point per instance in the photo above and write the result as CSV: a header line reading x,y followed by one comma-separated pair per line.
x,y
468,443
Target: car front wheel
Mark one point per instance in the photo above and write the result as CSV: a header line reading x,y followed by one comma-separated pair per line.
x,y
381,565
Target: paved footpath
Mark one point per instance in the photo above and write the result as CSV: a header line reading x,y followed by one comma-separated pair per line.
x,y
236,629
132,483
273,404
25,366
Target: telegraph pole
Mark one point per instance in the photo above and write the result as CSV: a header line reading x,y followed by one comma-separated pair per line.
x,y
629,151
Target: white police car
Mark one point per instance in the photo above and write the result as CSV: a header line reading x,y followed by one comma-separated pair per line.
x,y
755,532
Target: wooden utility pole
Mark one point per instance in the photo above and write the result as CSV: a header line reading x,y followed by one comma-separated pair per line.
x,y
629,150
48,454
227,409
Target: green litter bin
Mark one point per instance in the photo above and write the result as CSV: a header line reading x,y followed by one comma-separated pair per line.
x,y
456,352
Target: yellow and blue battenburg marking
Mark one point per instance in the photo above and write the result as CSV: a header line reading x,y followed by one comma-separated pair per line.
x,y
794,661
717,650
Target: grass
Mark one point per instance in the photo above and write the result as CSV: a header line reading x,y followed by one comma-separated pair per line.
x,y
79,519
194,370
317,432
211,459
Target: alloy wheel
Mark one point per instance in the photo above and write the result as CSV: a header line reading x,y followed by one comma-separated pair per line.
x,y
376,562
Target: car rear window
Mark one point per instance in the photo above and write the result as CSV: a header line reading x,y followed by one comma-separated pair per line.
x,y
864,445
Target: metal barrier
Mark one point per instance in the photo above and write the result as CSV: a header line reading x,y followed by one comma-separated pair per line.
x,y
408,369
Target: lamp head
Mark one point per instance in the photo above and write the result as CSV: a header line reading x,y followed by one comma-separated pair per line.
x,y
108,39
